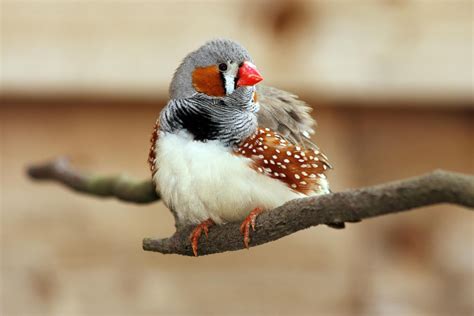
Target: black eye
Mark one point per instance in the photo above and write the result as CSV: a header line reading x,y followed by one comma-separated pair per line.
x,y
223,67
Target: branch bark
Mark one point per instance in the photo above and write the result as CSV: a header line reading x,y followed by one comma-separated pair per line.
x,y
348,206
121,186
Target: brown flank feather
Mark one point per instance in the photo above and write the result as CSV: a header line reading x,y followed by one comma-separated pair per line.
x,y
152,153
300,168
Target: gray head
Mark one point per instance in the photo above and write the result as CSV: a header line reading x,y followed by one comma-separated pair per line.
x,y
213,94
216,69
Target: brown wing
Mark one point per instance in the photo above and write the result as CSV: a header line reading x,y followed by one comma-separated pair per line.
x,y
285,114
152,152
299,168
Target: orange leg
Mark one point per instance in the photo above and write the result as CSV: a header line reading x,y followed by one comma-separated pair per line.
x,y
248,222
196,234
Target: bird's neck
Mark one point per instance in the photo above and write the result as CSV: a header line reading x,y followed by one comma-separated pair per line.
x,y
226,120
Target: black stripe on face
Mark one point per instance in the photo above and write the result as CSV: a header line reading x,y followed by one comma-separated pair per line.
x,y
237,75
236,78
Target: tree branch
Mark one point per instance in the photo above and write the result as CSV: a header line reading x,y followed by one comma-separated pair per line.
x,y
348,206
121,187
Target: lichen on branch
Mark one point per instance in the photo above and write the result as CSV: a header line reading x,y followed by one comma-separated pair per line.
x,y
119,186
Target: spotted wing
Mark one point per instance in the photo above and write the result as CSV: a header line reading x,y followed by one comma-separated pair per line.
x,y
301,169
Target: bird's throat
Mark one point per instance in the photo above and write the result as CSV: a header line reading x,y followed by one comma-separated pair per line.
x,y
208,122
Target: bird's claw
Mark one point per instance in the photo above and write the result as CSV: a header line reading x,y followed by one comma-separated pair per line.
x,y
248,222
196,234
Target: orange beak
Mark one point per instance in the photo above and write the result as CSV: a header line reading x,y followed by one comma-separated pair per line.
x,y
248,75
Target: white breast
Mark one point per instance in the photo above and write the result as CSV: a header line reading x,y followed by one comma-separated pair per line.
x,y
206,180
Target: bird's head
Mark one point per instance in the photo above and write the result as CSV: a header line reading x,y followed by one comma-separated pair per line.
x,y
215,70
213,94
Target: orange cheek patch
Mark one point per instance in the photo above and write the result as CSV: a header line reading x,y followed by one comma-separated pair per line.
x,y
208,80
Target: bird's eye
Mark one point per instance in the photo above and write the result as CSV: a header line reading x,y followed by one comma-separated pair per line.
x,y
223,67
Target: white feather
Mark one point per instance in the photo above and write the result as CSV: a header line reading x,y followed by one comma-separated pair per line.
x,y
202,180
229,77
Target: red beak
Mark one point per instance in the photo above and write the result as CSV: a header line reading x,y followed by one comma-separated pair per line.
x,y
248,75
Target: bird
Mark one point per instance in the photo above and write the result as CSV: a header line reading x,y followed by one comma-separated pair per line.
x,y
226,148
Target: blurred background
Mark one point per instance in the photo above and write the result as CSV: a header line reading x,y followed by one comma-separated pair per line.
x,y
391,86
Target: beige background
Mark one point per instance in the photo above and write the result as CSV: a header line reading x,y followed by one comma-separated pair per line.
x,y
361,48
87,79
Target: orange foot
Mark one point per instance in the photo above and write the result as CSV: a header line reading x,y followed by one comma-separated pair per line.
x,y
249,221
196,234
